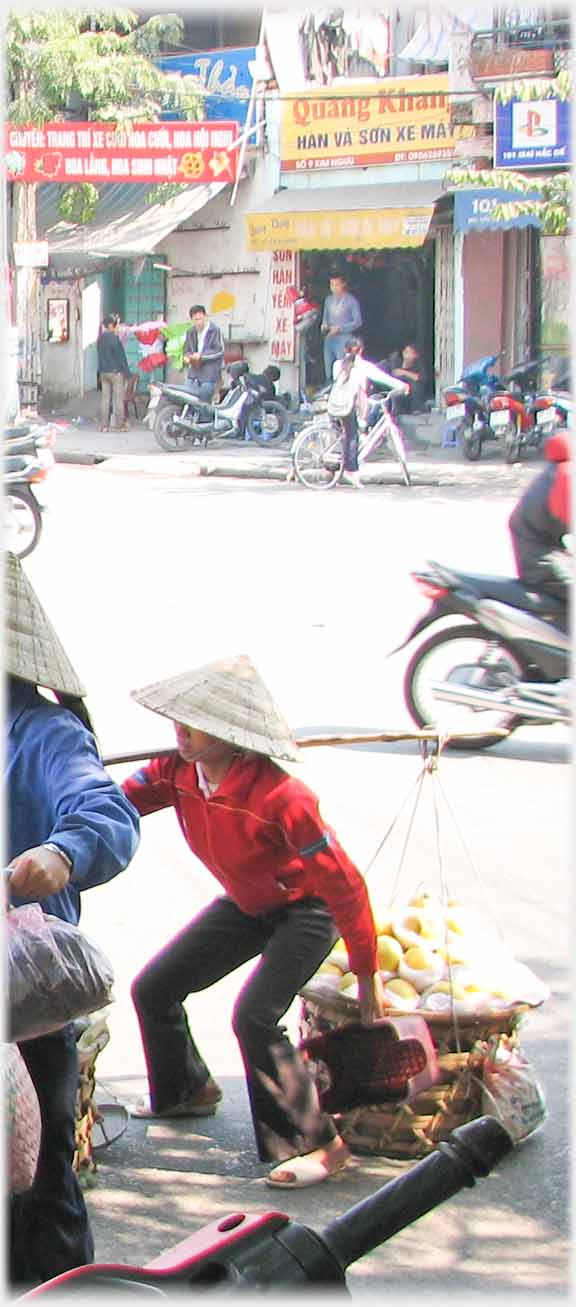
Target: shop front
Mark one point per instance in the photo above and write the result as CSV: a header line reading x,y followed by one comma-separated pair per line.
x,y
384,250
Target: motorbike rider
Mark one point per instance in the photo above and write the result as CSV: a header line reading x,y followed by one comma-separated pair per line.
x,y
203,353
540,522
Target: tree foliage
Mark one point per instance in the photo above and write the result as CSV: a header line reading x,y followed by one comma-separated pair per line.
x,y
103,58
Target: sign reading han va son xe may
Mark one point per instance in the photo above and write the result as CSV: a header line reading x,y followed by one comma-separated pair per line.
x,y
100,152
390,120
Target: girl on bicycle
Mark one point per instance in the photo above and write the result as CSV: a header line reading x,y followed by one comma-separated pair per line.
x,y
354,372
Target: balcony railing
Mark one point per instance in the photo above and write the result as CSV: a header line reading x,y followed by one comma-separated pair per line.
x,y
504,53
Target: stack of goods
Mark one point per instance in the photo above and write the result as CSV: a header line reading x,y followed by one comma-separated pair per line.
x,y
439,961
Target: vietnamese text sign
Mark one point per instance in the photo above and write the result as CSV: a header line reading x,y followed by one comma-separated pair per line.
x,y
282,327
224,76
474,210
532,134
361,229
100,152
390,120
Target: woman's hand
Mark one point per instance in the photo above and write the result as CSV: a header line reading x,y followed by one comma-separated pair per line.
x,y
371,998
37,873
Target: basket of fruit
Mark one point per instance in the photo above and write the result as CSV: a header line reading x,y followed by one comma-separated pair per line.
x,y
439,963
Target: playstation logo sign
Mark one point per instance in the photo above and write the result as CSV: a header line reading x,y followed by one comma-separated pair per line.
x,y
534,123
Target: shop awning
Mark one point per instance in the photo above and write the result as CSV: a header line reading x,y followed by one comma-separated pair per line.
x,y
126,225
331,218
474,210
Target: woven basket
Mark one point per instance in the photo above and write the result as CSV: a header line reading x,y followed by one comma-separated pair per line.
x,y
413,1129
89,1044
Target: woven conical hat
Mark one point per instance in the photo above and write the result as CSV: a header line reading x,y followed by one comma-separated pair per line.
x,y
227,699
32,650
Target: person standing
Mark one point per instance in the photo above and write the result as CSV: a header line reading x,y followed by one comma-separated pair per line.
x,y
288,890
351,376
341,318
114,372
204,353
540,521
68,828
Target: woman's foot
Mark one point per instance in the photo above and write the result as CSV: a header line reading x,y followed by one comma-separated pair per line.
x,y
352,479
203,1103
310,1168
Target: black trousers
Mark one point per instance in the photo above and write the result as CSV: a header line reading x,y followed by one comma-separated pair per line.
x,y
49,1228
350,442
290,943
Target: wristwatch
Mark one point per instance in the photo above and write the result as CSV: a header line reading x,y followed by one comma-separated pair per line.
x,y
55,848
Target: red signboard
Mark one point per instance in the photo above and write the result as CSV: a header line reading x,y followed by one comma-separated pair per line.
x,y
102,152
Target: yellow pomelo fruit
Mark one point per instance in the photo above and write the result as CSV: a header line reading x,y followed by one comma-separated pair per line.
x,y
419,959
329,969
403,988
346,980
383,924
389,953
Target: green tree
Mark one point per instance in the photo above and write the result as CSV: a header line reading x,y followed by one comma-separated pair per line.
x,y
98,62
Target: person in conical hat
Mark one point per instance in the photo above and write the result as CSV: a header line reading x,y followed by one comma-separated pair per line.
x,y
289,891
68,828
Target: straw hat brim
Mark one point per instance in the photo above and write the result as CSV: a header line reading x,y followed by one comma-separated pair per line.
x,y
227,699
32,650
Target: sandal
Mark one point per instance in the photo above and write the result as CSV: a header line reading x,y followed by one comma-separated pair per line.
x,y
305,1171
202,1103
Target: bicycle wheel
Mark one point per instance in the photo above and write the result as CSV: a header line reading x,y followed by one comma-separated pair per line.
x,y
396,441
317,457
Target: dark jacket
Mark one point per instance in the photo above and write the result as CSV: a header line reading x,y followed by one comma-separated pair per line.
x,y
111,353
212,353
542,517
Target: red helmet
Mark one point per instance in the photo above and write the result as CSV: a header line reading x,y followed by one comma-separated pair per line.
x,y
557,448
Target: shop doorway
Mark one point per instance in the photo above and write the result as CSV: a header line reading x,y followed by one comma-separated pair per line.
x,y
395,289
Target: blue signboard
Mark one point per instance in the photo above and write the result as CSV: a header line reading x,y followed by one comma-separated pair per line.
x,y
474,210
532,134
224,76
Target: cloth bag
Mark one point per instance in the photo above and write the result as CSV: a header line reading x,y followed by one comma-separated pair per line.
x,y
342,396
22,1120
55,973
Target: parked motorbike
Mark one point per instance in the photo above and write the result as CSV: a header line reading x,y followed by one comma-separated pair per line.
x,y
28,458
467,405
506,667
270,1252
180,420
552,410
511,411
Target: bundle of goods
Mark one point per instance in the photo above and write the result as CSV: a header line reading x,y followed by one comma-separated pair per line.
x,y
440,964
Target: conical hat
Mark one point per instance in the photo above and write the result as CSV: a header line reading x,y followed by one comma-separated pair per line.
x,y
227,699
32,650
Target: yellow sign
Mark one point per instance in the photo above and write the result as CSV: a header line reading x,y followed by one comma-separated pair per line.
x,y
353,229
390,120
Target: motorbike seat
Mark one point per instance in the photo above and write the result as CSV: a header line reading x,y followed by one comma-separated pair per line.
x,y
508,590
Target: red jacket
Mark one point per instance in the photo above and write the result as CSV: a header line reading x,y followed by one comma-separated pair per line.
x,y
261,835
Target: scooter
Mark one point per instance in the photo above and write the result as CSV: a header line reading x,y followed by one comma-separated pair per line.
x,y
511,411
507,665
551,411
28,458
467,405
271,1253
180,420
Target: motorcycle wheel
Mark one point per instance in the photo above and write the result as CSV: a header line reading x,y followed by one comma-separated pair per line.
x,y
268,423
22,521
444,658
169,437
510,443
317,457
470,441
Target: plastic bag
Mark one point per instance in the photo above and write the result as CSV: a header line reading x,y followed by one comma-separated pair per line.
x,y
22,1117
511,1090
55,973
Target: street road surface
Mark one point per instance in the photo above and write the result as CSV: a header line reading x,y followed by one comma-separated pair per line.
x,y
145,576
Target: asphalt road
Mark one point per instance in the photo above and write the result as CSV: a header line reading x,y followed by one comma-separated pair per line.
x,y
146,572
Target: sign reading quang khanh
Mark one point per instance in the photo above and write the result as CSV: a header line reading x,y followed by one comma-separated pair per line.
x,y
389,120
102,152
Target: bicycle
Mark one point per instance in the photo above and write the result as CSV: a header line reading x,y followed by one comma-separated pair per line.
x,y
317,454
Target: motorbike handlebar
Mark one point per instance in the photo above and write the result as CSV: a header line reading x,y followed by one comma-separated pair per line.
x,y
472,1151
